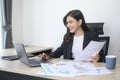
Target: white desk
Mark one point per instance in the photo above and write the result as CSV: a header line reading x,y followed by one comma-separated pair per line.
x,y
20,68
24,72
29,49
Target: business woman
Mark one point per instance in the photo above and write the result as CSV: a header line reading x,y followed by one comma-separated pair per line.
x,y
77,37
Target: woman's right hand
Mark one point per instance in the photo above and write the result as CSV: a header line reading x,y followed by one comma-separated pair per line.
x,y
44,56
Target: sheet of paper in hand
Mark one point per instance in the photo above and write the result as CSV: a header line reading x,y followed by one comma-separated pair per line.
x,y
92,49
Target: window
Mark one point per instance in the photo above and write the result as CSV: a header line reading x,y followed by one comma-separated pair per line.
x,y
1,46
0,30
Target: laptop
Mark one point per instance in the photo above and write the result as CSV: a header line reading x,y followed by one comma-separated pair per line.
x,y
32,62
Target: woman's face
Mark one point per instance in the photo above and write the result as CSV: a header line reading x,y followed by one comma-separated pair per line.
x,y
72,24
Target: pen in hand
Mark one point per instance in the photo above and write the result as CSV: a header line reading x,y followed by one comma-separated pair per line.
x,y
43,56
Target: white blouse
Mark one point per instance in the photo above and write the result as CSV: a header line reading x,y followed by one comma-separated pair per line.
x,y
77,45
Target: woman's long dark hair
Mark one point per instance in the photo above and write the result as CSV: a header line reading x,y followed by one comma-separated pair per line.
x,y
77,15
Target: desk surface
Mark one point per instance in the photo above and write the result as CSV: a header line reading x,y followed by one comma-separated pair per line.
x,y
18,67
29,49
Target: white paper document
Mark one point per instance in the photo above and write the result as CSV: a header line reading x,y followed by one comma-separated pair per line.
x,y
71,69
92,49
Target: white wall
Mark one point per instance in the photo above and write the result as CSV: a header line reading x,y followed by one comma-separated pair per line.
x,y
17,20
39,22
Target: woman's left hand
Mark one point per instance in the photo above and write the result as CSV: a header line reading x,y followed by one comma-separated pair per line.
x,y
95,58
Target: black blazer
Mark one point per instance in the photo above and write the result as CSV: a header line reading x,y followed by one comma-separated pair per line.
x,y
66,47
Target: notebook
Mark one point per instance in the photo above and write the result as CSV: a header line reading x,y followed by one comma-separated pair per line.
x,y
25,59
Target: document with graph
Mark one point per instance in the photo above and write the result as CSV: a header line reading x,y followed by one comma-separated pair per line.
x,y
71,69
92,49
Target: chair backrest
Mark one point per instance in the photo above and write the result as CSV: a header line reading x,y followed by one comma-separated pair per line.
x,y
106,46
97,27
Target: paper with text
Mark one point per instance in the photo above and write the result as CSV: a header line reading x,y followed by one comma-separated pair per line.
x,y
92,49
66,69
71,69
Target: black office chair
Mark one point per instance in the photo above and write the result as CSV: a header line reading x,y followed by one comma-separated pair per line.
x,y
98,27
106,45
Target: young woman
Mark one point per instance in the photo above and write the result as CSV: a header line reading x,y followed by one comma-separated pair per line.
x,y
77,37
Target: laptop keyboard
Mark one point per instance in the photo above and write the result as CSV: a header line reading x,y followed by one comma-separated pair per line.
x,y
35,61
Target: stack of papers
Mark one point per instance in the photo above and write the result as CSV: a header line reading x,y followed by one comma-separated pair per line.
x,y
71,69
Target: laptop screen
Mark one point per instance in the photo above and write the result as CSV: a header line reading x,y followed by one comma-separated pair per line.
x,y
21,53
